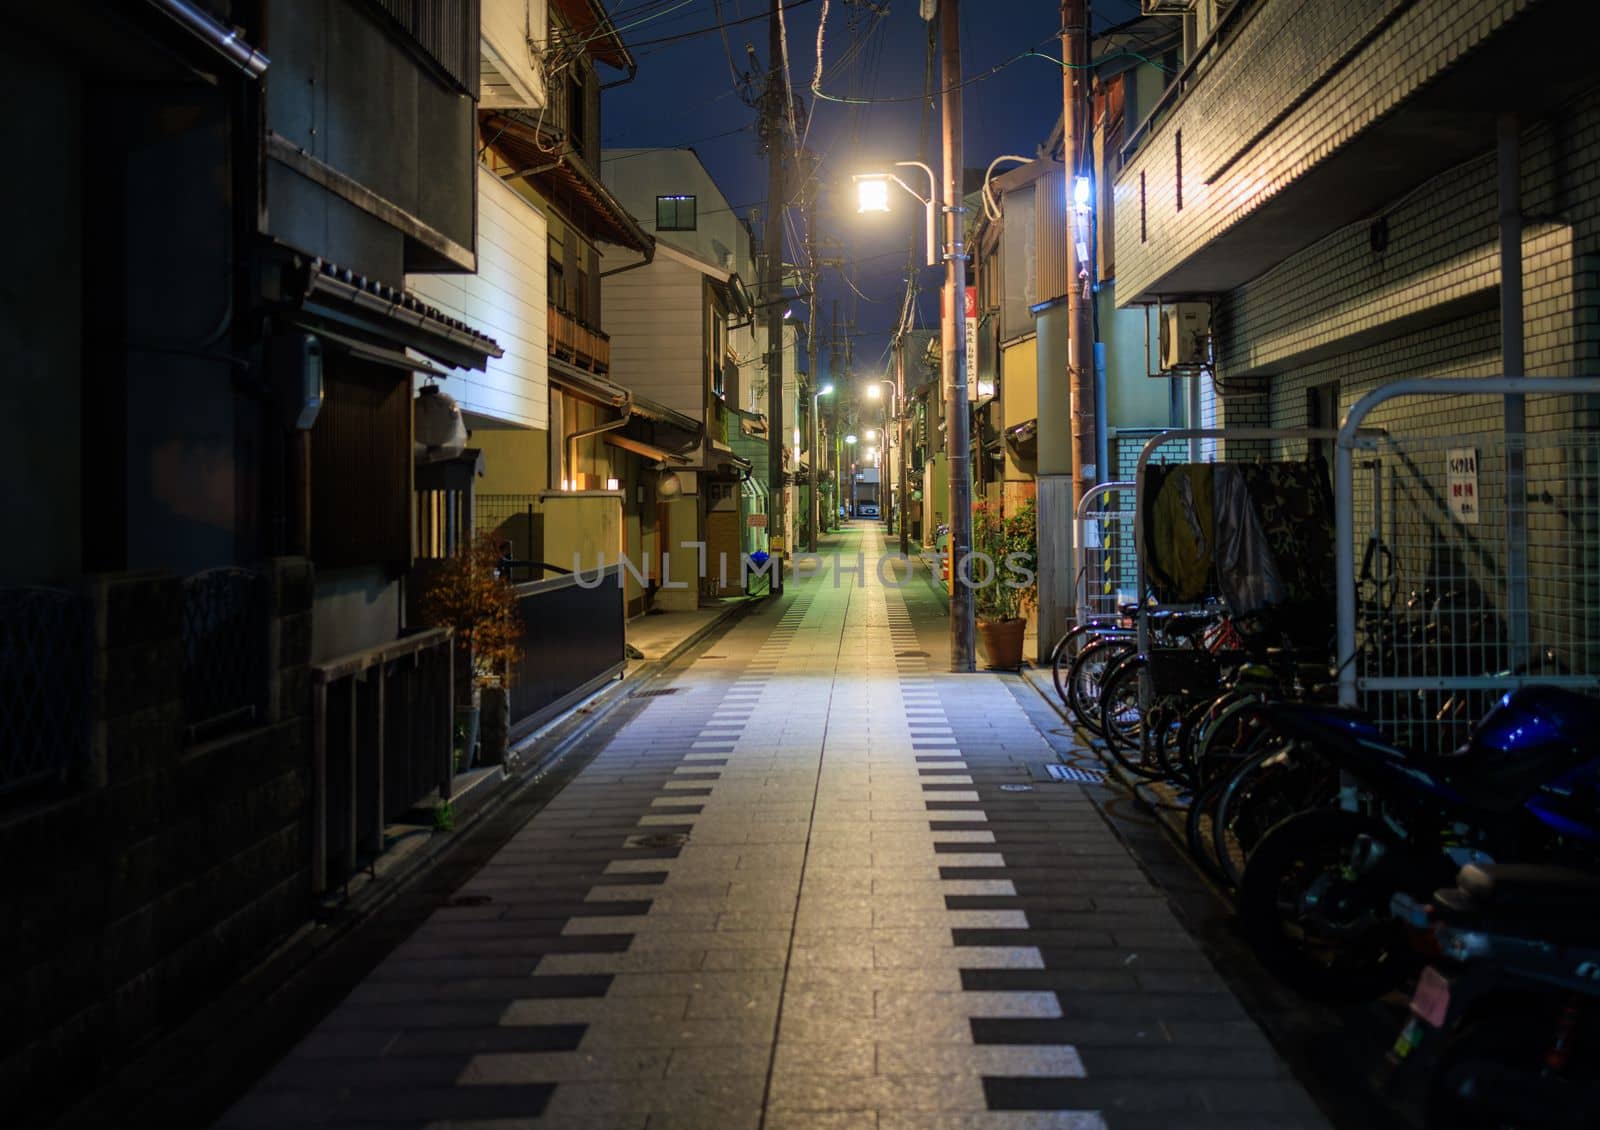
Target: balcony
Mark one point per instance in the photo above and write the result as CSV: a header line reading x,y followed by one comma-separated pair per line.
x,y
1295,120
575,343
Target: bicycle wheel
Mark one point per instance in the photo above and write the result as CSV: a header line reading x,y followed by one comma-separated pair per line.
x,y
1197,829
1277,780
1083,680
1127,724
1071,645
1223,744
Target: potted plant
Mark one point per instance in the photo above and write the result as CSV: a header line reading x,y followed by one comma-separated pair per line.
x,y
467,593
1003,579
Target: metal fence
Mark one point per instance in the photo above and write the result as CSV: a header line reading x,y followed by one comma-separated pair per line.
x,y
224,637
574,639
1108,569
1469,549
516,521
381,740
46,652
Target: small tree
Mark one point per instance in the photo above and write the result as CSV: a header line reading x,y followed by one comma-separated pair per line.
x,y
1003,588
469,594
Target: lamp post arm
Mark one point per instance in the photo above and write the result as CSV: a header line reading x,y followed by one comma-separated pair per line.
x,y
930,205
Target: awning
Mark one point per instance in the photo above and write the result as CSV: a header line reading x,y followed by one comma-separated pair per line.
x,y
563,176
661,414
354,310
587,385
378,354
649,451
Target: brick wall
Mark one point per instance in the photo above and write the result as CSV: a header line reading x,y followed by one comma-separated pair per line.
x,y
141,891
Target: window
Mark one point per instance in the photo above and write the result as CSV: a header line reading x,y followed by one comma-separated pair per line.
x,y
674,213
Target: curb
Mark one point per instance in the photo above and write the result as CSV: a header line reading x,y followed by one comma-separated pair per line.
x,y
1137,786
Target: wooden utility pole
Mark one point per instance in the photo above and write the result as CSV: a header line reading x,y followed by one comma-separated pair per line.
x,y
773,112
840,387
958,442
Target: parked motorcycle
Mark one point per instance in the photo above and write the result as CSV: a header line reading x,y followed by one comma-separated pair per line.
x,y
1315,894
1504,1028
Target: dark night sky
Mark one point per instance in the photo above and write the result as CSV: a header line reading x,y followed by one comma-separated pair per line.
x,y
685,95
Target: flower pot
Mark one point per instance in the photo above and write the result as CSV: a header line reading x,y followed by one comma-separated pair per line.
x,y
466,735
495,727
1002,642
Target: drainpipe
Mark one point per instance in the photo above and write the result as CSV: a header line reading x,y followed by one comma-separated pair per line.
x,y
1513,361
626,408
224,40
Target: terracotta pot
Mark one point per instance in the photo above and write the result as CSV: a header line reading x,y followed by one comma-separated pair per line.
x,y
1002,642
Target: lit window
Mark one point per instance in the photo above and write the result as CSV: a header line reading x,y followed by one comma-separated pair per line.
x,y
675,213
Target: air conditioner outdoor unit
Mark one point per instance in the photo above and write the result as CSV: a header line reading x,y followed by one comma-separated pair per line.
x,y
1185,335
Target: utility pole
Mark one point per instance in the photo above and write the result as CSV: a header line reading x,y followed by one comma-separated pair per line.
x,y
813,403
958,443
840,387
901,434
1079,161
772,111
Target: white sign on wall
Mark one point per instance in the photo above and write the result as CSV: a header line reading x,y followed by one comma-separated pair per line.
x,y
1462,463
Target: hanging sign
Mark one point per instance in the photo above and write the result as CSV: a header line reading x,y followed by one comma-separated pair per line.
x,y
758,521
972,344
1462,463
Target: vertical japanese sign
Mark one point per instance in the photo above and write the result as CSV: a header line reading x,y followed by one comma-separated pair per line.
x,y
1462,464
972,344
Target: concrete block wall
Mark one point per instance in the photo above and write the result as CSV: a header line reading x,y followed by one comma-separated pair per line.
x,y
1313,76
133,897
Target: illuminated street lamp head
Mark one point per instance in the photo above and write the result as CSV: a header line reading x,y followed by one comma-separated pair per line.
x,y
825,390
872,194
871,435
874,392
1080,191
850,439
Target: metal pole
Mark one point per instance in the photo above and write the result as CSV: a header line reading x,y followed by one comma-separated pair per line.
x,y
1513,360
772,291
963,649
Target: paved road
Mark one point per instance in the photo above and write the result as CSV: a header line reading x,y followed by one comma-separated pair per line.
x,y
804,887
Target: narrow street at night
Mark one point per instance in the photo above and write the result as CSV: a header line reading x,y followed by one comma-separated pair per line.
x,y
797,890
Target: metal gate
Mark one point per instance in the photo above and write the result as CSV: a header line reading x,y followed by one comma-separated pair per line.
x,y
1468,549
1107,570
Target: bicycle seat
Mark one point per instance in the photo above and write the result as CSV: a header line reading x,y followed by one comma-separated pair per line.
x,y
1189,625
1130,608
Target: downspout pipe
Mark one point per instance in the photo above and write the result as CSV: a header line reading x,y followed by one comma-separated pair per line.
x,y
626,410
224,40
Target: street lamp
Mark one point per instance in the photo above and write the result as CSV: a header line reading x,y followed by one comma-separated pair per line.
x,y
816,472
872,195
872,191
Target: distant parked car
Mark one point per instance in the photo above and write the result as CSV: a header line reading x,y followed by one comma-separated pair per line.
x,y
867,510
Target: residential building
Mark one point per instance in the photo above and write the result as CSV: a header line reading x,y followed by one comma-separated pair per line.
x,y
689,336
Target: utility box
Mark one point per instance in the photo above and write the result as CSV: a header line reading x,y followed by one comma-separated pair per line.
x,y
1185,335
